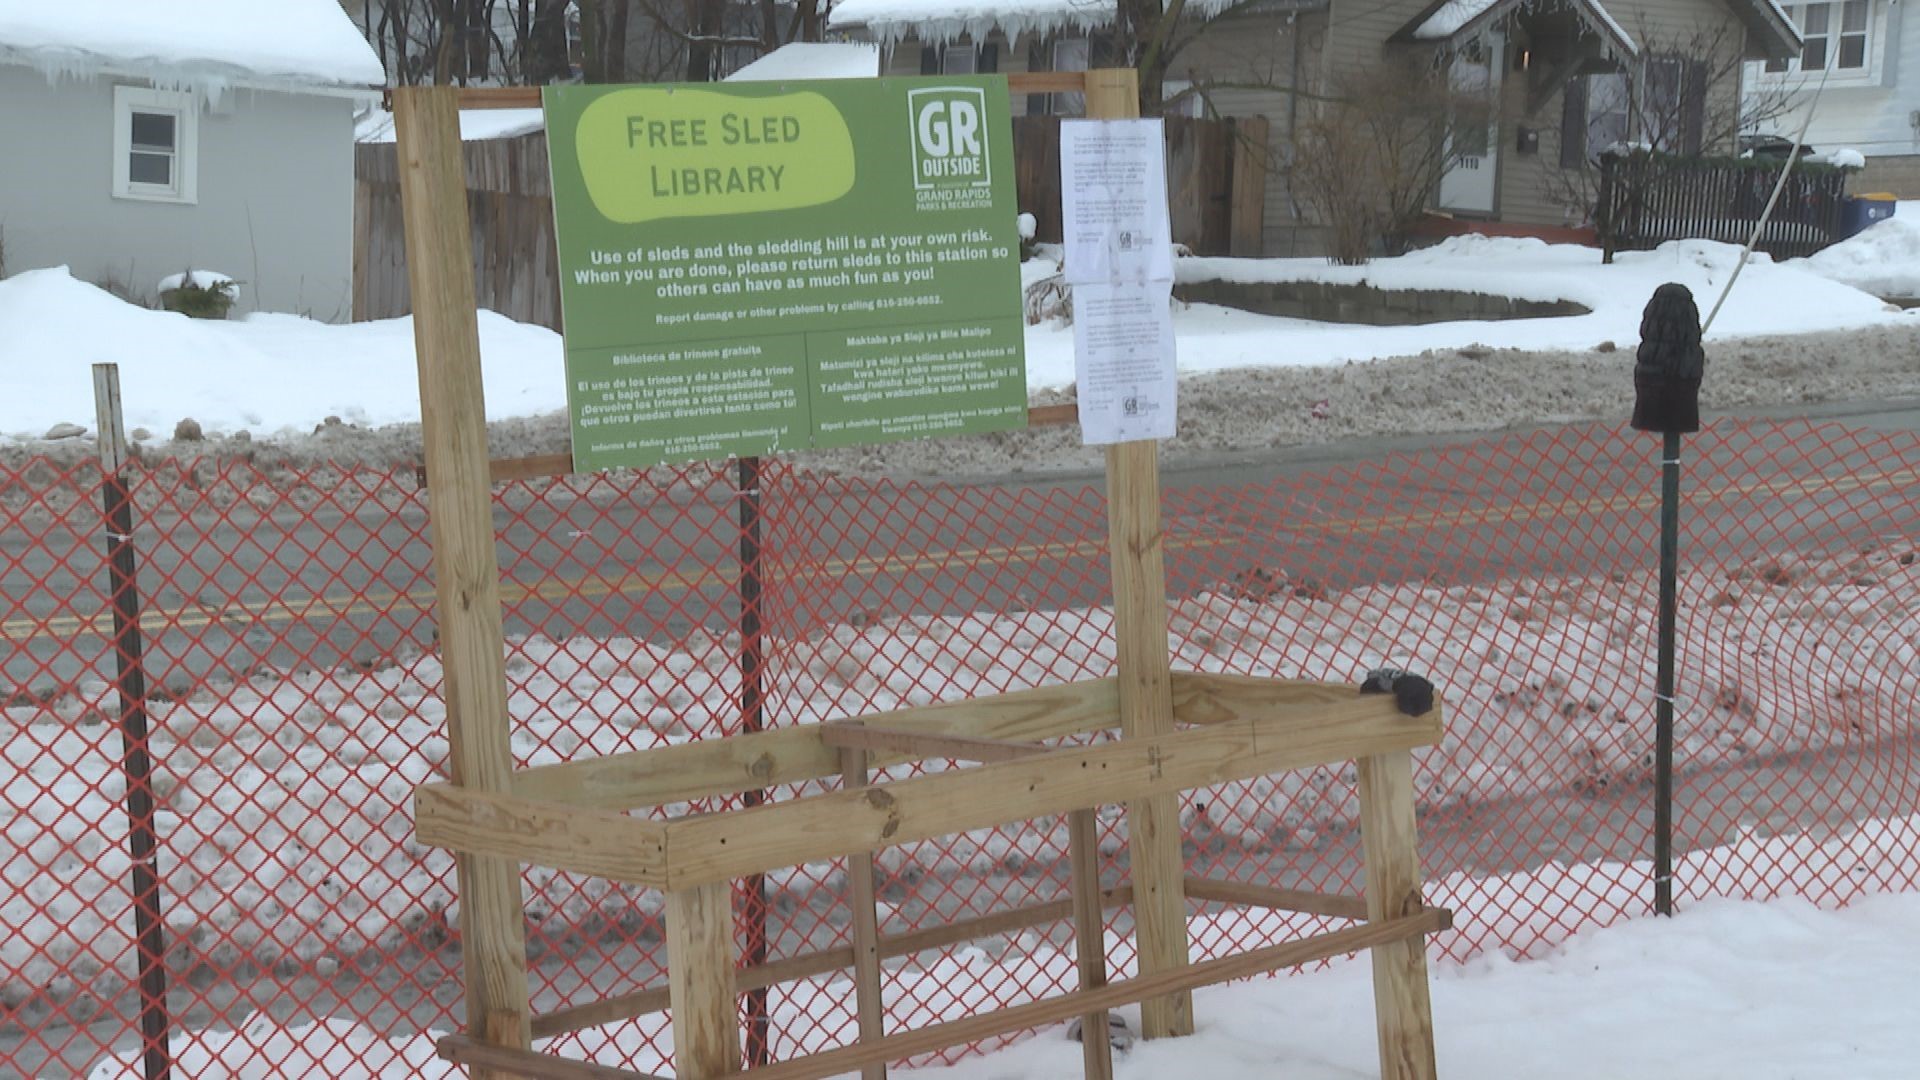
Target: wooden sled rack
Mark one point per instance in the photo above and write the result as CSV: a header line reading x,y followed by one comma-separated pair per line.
x,y
572,817
1175,732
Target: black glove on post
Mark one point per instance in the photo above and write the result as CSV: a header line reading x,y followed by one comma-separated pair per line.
x,y
1413,694
1666,376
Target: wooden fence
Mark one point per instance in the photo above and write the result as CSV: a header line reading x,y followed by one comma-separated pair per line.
x,y
510,208
1649,199
1216,180
1216,185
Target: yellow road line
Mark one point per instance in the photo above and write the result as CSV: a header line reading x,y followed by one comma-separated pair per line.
x,y
556,589
561,589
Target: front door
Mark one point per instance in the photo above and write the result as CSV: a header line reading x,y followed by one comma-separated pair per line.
x,y
1473,141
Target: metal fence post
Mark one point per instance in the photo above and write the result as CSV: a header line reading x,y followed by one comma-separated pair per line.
x,y
1663,699
136,761
753,719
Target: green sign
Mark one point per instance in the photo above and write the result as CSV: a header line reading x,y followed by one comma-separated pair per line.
x,y
753,267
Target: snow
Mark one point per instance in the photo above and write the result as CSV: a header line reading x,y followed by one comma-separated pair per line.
x,y
1448,20
1777,991
317,762
199,279
800,60
891,21
1780,990
1843,158
1884,259
55,327
262,373
476,125
1028,226
1770,299
212,43
813,60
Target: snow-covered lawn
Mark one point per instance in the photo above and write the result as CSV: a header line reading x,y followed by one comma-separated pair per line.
x,y
269,373
1769,299
263,373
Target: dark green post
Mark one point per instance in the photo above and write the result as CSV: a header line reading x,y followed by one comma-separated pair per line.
x,y
1663,697
1666,383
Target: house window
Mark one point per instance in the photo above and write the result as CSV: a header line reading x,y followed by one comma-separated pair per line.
x,y
957,59
1070,54
1181,99
1836,33
155,145
1609,112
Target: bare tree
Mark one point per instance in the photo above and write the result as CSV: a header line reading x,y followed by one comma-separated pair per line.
x,y
470,41
1681,99
1373,149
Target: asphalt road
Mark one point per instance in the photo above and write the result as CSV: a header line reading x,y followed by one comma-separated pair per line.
x,y
231,596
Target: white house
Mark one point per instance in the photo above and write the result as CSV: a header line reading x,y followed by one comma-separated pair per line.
x,y
1860,75
150,137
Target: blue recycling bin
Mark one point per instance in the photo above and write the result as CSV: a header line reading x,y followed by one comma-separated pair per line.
x,y
1861,211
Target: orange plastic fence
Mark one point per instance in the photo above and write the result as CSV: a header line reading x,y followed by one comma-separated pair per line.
x,y
292,691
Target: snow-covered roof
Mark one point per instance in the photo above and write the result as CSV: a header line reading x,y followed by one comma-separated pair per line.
x,y
476,125
890,21
813,60
278,44
1451,18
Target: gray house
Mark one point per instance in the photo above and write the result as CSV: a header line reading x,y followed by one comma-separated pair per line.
x,y
1559,79
165,135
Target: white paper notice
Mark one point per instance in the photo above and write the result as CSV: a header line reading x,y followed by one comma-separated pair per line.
x,y
1113,195
1123,361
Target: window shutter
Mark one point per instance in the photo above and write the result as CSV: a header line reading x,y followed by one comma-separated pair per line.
x,y
1693,108
929,59
1573,124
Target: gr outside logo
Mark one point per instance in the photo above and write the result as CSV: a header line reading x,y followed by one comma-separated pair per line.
x,y
949,138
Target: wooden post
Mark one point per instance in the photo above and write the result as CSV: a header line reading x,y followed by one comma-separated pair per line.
x,y
866,930
706,1027
1402,1009
136,759
466,570
1134,542
1089,937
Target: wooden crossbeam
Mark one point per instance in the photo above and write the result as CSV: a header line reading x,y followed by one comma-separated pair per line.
x,y
1261,896
718,847
1036,1014
923,746
828,961
1121,992
714,767
825,962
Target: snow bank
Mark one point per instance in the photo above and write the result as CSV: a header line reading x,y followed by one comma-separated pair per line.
x,y
286,794
1883,260
263,373
192,42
